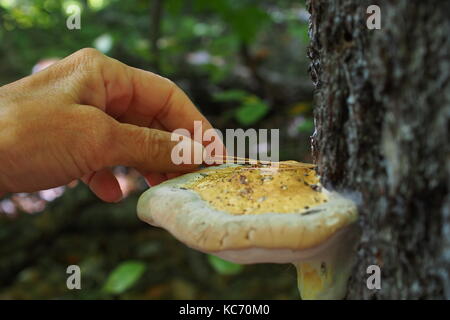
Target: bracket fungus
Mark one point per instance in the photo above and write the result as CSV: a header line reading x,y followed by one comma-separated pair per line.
x,y
262,213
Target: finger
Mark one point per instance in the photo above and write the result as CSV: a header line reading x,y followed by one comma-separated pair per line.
x,y
154,178
172,175
215,150
104,185
168,103
137,96
155,124
150,150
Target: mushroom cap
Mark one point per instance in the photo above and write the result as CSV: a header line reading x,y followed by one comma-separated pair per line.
x,y
250,213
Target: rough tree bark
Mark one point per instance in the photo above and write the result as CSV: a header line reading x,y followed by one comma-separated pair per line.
x,y
382,126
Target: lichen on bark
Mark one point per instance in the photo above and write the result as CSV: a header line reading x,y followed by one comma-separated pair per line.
x,y
382,116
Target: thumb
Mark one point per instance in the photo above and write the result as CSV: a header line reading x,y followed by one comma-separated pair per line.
x,y
152,150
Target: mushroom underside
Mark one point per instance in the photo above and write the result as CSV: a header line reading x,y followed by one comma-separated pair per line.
x,y
254,255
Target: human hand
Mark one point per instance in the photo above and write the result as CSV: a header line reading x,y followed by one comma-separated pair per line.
x,y
85,114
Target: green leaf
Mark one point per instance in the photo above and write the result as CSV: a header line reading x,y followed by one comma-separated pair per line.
x,y
300,31
224,267
230,95
247,22
174,6
251,112
124,276
306,126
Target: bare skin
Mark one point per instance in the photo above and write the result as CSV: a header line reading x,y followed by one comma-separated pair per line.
x,y
84,115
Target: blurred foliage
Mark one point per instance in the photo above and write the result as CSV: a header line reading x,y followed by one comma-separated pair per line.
x,y
250,108
224,267
243,62
251,111
124,276
306,126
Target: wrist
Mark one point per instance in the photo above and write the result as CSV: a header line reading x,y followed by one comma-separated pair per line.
x,y
8,139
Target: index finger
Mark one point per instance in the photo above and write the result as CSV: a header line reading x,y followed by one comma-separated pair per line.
x,y
141,97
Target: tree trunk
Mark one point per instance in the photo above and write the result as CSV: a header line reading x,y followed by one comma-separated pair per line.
x,y
382,126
